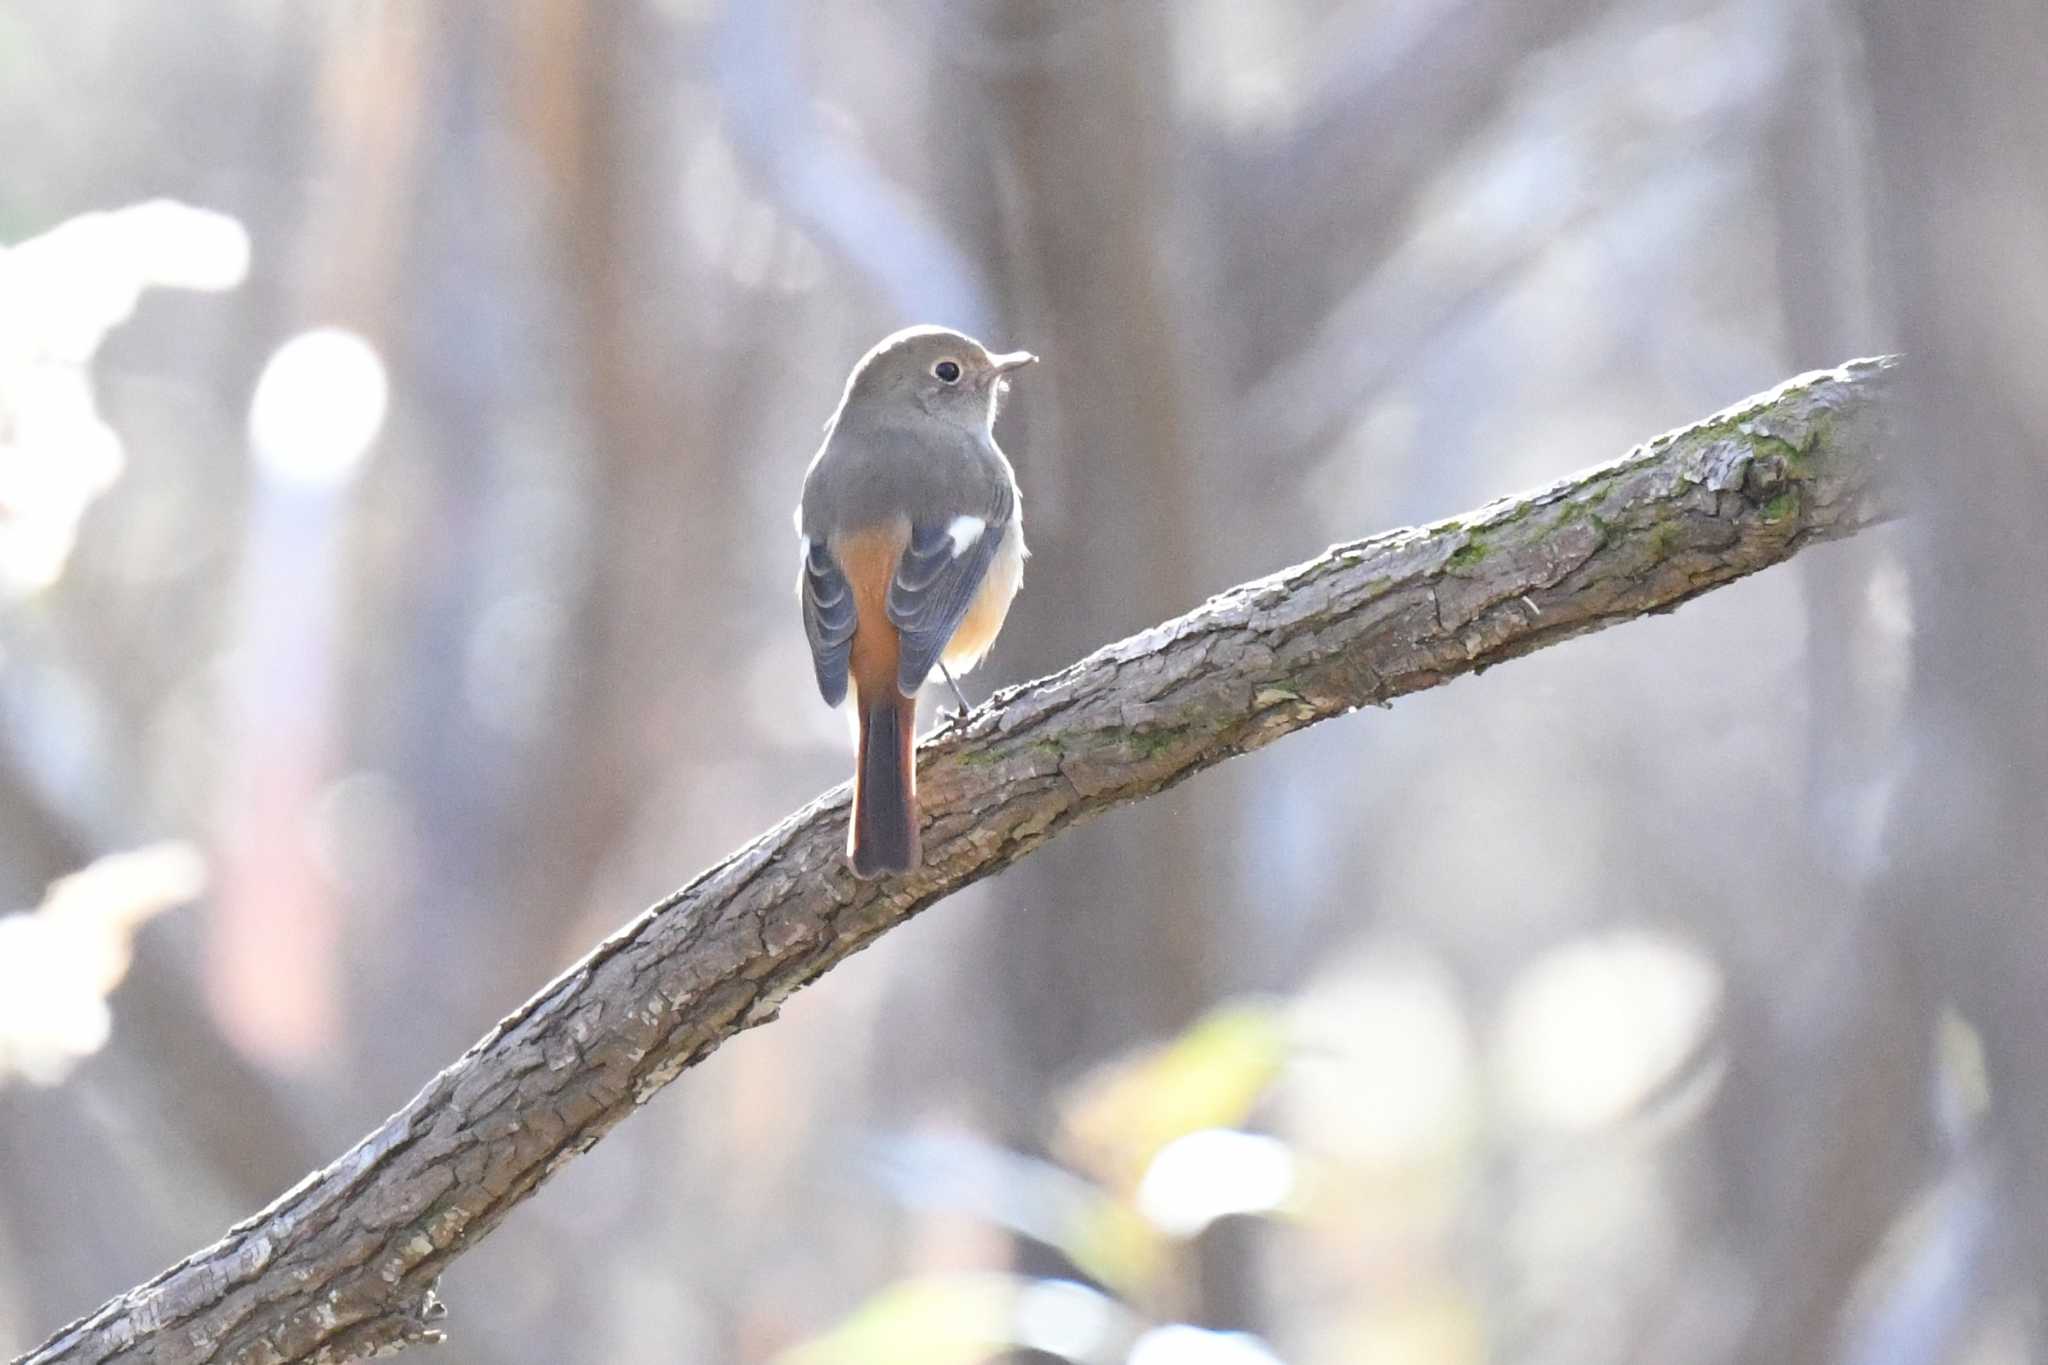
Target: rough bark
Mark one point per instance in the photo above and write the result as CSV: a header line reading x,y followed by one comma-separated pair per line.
x,y
345,1264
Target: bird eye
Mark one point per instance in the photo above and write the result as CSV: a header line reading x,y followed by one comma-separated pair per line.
x,y
946,372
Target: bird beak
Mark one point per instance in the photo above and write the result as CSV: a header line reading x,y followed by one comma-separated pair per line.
x,y
1013,360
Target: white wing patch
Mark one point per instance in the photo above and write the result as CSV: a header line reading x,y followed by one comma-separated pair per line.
x,y
963,532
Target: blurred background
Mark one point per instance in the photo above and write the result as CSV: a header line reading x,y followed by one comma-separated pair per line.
x,y
401,407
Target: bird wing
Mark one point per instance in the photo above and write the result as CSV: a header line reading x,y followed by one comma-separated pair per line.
x,y
936,580
829,618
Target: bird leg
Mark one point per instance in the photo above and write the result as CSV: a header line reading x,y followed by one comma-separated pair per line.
x,y
958,695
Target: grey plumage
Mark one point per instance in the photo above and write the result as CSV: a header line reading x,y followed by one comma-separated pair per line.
x,y
906,447
913,546
828,619
934,587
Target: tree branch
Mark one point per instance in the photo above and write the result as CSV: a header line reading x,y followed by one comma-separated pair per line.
x,y
345,1264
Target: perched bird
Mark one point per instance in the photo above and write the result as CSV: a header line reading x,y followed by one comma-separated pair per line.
x,y
913,546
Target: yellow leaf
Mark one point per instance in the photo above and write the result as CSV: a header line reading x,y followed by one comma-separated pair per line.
x,y
1116,1121
959,1319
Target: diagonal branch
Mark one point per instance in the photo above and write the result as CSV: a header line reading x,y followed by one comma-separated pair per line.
x,y
345,1264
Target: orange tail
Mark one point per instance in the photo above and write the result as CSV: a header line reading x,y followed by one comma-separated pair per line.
x,y
883,834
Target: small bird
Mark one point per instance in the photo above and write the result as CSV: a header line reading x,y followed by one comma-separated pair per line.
x,y
913,545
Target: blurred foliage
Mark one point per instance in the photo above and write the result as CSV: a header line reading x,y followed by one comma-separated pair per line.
x,y
1114,1123
1155,1157
1122,1124
61,292
60,961
925,1320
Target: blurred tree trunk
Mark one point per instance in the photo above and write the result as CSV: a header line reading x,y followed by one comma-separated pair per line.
x,y
1068,171
1823,1122
1961,128
648,452
638,422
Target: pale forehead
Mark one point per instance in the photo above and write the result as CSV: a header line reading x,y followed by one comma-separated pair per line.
x,y
921,344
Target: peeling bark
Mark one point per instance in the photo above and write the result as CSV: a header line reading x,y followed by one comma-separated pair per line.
x,y
344,1265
